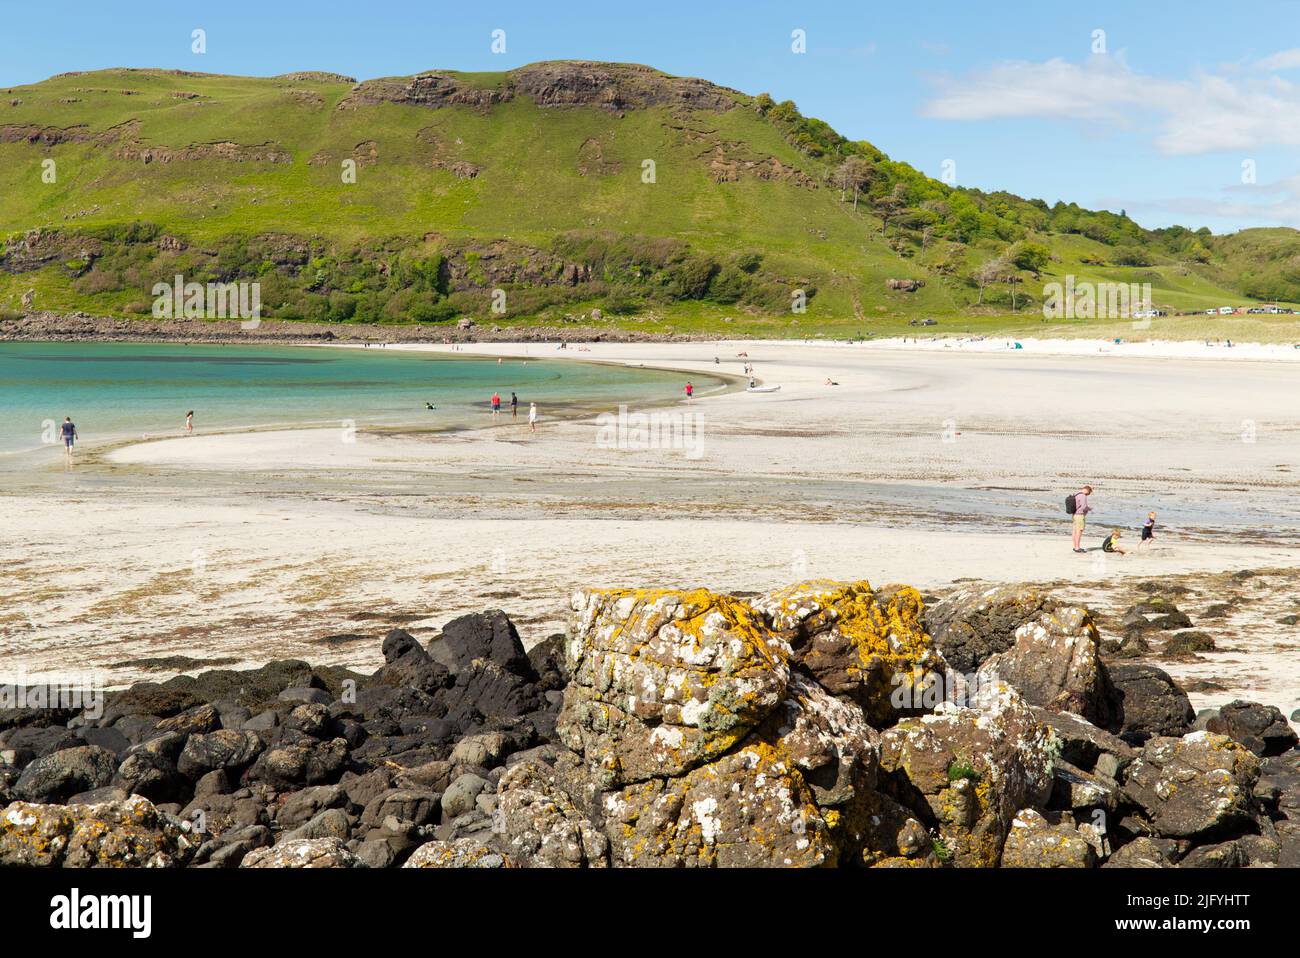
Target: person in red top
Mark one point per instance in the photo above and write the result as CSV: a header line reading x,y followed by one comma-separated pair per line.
x,y
496,405
690,390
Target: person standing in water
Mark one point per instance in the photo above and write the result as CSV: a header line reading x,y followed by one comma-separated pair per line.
x,y
496,406
514,405
532,417
189,422
69,431
690,390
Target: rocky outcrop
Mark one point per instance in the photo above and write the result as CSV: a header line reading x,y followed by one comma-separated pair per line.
x,y
568,83
1056,663
970,625
974,769
664,729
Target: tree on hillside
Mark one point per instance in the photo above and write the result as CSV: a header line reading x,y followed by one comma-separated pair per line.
x,y
891,205
1030,256
991,271
855,174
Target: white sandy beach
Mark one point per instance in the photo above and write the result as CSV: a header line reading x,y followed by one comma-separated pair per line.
x,y
926,464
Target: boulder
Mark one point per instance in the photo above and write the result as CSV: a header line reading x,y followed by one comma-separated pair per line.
x,y
1151,702
968,771
1056,664
1142,852
463,853
404,804
1261,728
1194,786
127,833
56,776
302,806
296,764
800,791
1033,842
665,681
971,624
304,853
193,721
538,823
869,648
460,795
485,636
224,748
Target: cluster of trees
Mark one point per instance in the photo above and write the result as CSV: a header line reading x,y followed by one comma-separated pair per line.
x,y
638,270
398,281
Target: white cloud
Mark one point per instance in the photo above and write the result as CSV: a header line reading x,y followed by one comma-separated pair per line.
x,y
1282,60
1205,113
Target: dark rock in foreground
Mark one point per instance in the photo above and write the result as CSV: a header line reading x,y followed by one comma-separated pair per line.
x,y
816,725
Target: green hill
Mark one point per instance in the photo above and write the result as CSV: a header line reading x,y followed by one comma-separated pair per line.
x,y
667,203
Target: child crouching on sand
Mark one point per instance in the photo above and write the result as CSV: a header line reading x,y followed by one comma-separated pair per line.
x,y
1111,543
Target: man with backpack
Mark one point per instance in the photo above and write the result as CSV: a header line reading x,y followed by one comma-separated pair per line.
x,y
1077,506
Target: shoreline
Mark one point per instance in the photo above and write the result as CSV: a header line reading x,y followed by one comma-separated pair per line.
x,y
51,327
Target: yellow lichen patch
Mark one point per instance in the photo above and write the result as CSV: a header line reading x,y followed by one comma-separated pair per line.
x,y
872,648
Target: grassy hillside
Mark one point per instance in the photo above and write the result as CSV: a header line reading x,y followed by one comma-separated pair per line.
x,y
533,182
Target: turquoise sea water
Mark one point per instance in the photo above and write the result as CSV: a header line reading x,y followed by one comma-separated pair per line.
x,y
126,390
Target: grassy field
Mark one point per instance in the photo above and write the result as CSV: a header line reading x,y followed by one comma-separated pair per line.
x,y
247,157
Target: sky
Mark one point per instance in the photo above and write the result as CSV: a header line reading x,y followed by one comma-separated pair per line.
x,y
1175,112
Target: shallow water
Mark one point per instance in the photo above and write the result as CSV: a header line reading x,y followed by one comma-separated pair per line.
x,y
116,391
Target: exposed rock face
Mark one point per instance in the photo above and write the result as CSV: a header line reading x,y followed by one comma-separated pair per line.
x,y
612,86
870,649
1193,786
1056,663
970,625
974,769
665,681
1150,702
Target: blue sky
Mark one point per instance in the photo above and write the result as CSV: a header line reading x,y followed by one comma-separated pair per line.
x,y
1168,117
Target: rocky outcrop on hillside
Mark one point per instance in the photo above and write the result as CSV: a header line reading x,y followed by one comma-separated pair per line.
x,y
816,725
612,86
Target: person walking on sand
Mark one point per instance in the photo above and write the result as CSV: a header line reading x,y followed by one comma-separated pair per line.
x,y
1080,512
532,417
514,406
1148,531
496,406
69,431
189,423
690,390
